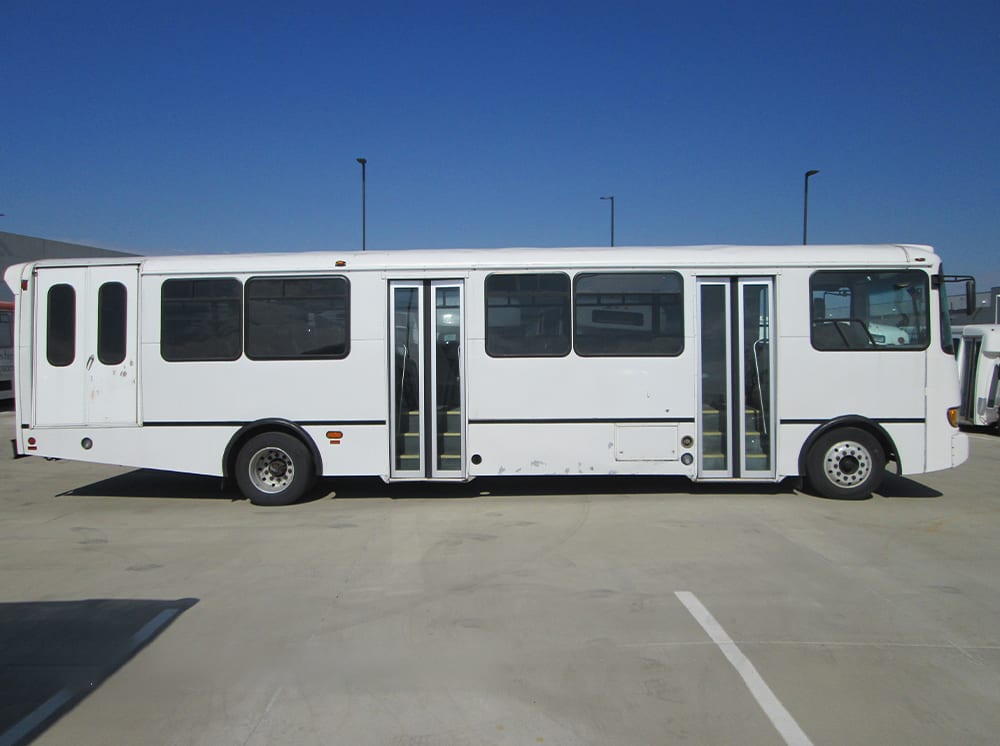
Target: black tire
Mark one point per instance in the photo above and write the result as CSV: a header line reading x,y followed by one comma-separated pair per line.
x,y
847,463
274,469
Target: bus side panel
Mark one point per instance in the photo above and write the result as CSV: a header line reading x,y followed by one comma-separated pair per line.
x,y
243,391
596,448
362,450
581,388
565,415
195,450
946,446
821,385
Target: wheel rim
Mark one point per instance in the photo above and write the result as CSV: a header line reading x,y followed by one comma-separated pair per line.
x,y
271,470
847,463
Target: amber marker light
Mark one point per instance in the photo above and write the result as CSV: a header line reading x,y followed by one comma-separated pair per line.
x,y
334,436
953,416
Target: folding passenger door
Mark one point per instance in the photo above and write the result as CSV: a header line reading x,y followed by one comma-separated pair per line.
x,y
736,421
427,395
86,346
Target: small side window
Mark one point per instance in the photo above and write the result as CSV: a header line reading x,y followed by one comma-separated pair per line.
x,y
6,329
60,328
200,319
111,322
297,318
629,314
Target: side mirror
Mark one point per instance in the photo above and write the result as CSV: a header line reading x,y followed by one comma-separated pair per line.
x,y
970,289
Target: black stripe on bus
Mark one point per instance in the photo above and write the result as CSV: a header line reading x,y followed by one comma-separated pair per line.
x,y
589,421
880,420
241,423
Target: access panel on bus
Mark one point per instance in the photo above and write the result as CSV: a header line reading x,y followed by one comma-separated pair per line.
x,y
85,350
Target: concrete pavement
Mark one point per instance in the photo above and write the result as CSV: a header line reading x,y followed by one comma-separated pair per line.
x,y
507,611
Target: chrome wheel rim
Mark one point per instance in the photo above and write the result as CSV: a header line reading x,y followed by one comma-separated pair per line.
x,y
271,470
847,463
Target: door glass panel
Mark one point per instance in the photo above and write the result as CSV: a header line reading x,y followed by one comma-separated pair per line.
x,y
448,378
756,336
112,322
406,392
714,378
60,332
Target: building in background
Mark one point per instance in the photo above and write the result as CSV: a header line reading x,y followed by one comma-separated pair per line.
x,y
16,248
986,311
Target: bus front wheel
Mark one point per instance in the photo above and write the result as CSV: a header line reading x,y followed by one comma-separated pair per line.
x,y
274,469
846,463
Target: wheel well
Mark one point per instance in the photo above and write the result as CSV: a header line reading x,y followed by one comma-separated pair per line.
x,y
268,426
862,423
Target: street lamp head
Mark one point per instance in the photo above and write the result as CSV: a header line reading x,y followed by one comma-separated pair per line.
x,y
362,161
812,172
609,197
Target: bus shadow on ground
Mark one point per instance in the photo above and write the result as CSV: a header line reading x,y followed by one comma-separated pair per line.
x,y
897,486
149,483
514,486
54,653
153,483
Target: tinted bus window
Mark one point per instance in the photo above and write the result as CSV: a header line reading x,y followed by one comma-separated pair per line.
x,y
629,314
528,315
60,330
6,329
111,302
200,319
297,318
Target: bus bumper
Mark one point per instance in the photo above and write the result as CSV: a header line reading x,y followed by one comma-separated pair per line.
x,y
959,449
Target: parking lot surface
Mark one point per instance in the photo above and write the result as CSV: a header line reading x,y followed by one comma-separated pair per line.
x,y
143,607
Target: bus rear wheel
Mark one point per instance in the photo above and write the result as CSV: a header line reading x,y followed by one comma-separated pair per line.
x,y
847,463
274,469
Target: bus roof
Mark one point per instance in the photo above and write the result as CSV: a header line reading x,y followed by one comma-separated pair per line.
x,y
721,256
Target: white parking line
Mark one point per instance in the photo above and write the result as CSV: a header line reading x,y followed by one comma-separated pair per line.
x,y
151,627
775,711
42,713
37,717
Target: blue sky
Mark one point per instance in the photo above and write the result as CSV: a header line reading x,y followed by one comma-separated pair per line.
x,y
170,127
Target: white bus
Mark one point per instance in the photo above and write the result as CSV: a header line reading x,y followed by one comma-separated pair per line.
x,y
977,349
712,362
6,350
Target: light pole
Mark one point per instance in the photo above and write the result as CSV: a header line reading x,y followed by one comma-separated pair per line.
x,y
364,217
612,198
805,208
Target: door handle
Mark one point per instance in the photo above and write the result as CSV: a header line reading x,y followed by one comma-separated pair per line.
x,y
90,362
